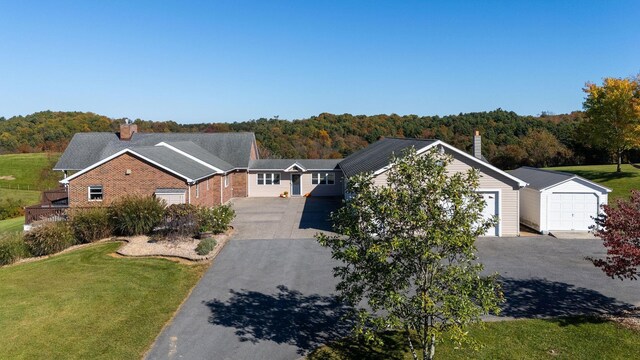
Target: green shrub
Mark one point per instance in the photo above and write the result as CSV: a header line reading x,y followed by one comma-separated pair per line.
x,y
216,219
90,224
205,246
181,220
12,248
11,208
136,215
49,238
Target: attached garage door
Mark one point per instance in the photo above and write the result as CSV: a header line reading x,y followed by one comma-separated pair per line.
x,y
172,198
492,199
571,211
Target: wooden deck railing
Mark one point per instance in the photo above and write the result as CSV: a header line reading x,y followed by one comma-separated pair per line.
x,y
40,212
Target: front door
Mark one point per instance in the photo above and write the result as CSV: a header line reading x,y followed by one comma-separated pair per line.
x,y
295,184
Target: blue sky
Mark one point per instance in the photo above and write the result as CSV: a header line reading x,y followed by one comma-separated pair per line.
x,y
239,60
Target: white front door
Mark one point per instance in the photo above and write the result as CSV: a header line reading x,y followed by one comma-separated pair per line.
x,y
492,200
572,211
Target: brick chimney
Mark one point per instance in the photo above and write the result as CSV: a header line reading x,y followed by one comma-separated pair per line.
x,y
127,130
477,145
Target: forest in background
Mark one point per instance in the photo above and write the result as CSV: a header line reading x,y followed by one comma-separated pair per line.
x,y
509,140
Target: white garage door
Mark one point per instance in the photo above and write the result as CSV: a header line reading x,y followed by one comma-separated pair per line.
x,y
572,211
172,198
492,200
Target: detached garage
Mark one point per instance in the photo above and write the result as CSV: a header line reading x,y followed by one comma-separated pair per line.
x,y
558,201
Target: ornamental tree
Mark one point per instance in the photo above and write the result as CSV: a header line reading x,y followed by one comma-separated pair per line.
x,y
613,116
619,228
408,252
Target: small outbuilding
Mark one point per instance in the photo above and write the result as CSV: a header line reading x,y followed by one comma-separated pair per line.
x,y
559,201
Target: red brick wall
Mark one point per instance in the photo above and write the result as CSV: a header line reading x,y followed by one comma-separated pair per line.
x,y
239,183
143,180
206,197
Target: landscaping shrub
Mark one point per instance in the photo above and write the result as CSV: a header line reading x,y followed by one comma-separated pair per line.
x,y
90,224
205,246
12,248
181,220
136,215
216,219
49,238
11,208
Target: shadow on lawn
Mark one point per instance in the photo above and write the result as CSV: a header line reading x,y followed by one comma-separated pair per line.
x,y
287,317
603,176
539,298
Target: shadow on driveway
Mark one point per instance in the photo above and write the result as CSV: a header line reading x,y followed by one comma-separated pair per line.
x,y
287,317
539,298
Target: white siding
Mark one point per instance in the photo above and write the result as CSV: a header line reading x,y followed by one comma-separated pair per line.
x,y
256,190
530,208
574,186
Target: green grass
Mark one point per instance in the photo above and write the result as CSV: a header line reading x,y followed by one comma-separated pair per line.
x,y
25,168
87,304
29,197
11,225
606,175
570,338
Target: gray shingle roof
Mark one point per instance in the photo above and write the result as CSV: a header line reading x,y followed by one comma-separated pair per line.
x,y
541,179
201,154
174,161
281,164
86,149
379,154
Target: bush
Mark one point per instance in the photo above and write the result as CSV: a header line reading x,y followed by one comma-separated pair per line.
x,y
90,224
216,219
11,208
49,238
136,215
12,248
205,246
181,220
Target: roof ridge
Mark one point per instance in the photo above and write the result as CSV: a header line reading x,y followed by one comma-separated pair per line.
x,y
550,171
408,138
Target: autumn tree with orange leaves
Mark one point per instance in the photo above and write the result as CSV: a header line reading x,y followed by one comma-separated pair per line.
x,y
613,116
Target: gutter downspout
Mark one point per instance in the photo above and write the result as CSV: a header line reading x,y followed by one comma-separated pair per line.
x,y
221,188
189,197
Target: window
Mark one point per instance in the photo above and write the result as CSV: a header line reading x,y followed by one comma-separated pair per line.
x,y
226,180
197,190
207,184
268,179
95,193
323,178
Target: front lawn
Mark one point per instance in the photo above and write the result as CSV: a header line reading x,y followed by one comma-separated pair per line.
x,y
570,338
89,304
606,175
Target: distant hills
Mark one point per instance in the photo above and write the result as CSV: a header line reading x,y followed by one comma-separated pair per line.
x,y
509,139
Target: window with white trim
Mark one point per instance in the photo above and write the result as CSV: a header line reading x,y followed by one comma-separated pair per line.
x,y
323,178
207,184
197,190
268,179
94,193
226,180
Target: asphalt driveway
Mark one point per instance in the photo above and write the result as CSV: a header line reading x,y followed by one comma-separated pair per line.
x,y
271,297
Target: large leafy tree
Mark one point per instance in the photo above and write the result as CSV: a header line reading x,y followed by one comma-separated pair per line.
x,y
619,228
408,251
613,116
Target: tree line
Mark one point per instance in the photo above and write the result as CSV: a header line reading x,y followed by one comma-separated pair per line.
x,y
509,140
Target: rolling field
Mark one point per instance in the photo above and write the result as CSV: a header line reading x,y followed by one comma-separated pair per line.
x,y
22,171
606,175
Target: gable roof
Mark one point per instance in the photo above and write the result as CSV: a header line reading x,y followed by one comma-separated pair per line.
x,y
541,179
195,151
163,157
378,155
283,164
86,149
376,158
